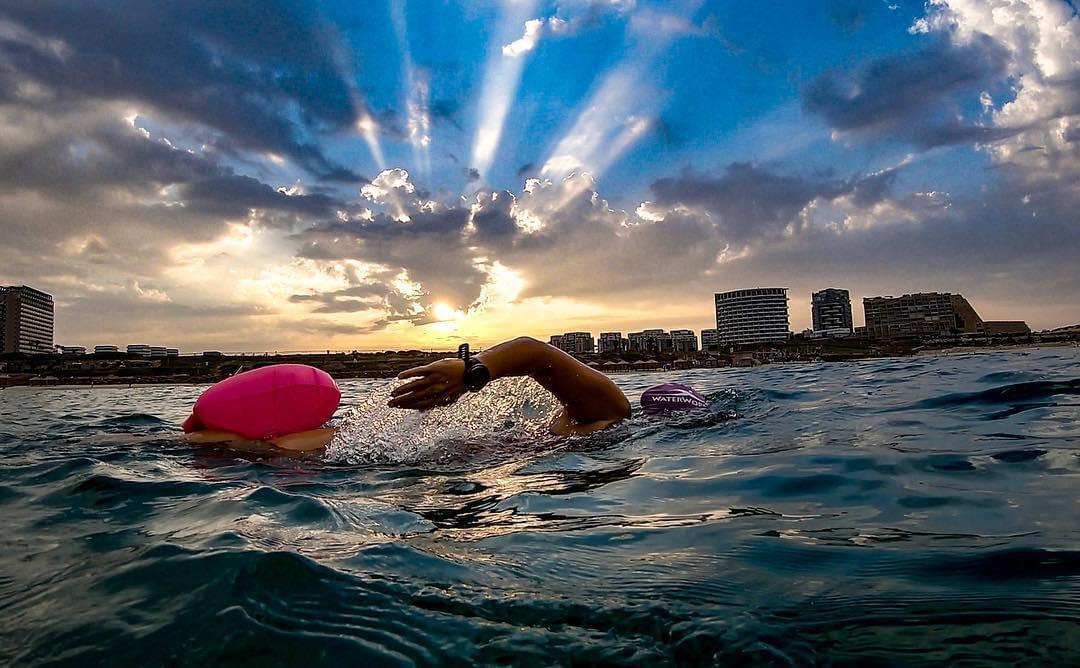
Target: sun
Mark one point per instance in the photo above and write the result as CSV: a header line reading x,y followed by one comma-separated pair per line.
x,y
445,313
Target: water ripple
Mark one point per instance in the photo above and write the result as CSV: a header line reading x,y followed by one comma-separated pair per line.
x,y
914,511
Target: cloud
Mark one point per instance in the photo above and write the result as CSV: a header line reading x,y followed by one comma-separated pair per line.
x,y
1040,41
273,89
233,195
906,94
358,298
526,42
1020,52
563,240
748,202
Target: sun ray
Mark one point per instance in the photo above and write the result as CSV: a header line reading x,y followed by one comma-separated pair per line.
x,y
502,77
369,130
417,96
620,110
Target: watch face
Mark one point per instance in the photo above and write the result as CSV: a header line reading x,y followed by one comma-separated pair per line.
x,y
476,377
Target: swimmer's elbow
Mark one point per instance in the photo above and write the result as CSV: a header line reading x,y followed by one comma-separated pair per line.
x,y
527,342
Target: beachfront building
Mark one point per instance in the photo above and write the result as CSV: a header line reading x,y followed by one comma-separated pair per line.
x,y
684,340
611,342
1006,328
71,350
754,315
26,320
650,341
574,342
831,311
106,349
138,349
710,340
920,314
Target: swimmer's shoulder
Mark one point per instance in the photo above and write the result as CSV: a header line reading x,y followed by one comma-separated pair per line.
x,y
564,425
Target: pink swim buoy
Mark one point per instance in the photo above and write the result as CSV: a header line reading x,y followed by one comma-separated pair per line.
x,y
267,402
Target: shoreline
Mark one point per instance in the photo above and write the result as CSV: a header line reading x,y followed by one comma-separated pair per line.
x,y
60,382
998,348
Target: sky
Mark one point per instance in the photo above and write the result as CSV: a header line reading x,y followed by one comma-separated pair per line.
x,y
339,175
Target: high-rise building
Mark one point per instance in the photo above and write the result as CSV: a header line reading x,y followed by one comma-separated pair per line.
x,y
611,342
710,340
574,342
755,315
26,320
650,341
684,340
831,310
920,314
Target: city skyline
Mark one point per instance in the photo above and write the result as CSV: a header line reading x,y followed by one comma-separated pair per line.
x,y
836,318
304,176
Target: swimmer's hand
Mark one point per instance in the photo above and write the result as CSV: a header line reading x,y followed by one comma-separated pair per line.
x,y
440,383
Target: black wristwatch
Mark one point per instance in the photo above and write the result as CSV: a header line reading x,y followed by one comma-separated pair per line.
x,y
476,374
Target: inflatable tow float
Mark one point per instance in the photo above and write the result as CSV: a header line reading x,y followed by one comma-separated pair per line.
x,y
267,403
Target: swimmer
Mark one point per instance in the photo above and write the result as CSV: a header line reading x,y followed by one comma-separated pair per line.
x,y
590,400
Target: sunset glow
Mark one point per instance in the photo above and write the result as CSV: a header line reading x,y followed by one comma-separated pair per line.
x,y
394,175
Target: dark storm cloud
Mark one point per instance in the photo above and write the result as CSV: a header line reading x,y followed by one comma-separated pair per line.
x,y
233,195
869,190
432,247
84,157
906,94
750,202
954,133
262,73
78,161
494,220
363,297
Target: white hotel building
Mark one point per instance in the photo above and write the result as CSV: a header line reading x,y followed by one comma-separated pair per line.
x,y
755,315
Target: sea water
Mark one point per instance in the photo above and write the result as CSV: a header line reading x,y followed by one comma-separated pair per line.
x,y
912,511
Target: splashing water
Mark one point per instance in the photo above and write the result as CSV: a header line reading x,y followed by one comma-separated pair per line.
x,y
513,414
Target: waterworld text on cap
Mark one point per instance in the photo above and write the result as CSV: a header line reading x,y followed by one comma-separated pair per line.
x,y
672,397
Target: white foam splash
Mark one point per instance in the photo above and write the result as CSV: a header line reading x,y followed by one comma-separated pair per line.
x,y
505,414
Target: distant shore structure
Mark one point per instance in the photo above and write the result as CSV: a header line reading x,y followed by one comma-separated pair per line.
x,y
574,342
611,342
710,339
931,314
753,315
831,312
27,319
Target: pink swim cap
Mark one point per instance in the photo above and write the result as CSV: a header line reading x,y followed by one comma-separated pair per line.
x,y
672,397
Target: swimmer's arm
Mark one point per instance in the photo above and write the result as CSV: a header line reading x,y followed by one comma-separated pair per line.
x,y
305,441
212,436
590,400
